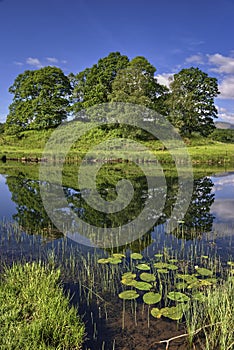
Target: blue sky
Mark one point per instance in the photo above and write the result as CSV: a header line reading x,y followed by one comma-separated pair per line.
x,y
74,34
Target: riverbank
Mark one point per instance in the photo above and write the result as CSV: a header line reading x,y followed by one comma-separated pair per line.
x,y
29,147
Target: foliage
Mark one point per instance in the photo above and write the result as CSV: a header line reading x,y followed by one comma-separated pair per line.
x,y
191,101
34,313
223,135
213,317
2,127
93,85
40,100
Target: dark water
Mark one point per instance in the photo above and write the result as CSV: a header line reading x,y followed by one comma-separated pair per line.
x,y
27,233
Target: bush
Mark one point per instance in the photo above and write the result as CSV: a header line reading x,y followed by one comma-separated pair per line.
x,y
223,135
34,313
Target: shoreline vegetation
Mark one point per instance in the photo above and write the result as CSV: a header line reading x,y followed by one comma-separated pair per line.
x,y
28,146
35,313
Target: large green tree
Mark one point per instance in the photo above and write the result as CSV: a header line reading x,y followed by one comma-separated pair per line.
x,y
191,101
136,83
93,85
41,99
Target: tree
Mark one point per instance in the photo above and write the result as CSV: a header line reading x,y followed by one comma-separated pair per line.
x,y
136,84
93,85
40,100
191,101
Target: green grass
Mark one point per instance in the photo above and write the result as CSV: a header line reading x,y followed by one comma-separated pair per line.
x,y
34,313
30,144
212,321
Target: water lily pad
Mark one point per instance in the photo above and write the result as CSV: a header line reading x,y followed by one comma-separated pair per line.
x,y
155,312
203,271
152,298
200,283
136,256
199,296
128,295
178,296
103,261
173,312
159,255
142,285
212,280
162,271
147,277
186,277
114,261
181,285
129,275
162,265
143,267
128,282
118,255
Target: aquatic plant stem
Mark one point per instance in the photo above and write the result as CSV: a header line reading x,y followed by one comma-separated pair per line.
x,y
167,341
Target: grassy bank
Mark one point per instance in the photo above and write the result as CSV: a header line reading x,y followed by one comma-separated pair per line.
x,y
34,313
30,145
211,322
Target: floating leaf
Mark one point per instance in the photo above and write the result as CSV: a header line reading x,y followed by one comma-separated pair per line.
x,y
162,265
136,256
204,256
114,261
199,296
147,277
212,280
178,296
155,312
103,261
158,255
173,261
128,295
181,285
143,267
143,285
230,263
118,255
162,271
200,283
152,298
173,312
203,271
186,277
128,281
129,275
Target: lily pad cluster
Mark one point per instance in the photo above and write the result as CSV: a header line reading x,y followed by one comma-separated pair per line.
x,y
162,283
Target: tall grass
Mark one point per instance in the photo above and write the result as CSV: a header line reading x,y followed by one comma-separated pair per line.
x,y
211,323
34,313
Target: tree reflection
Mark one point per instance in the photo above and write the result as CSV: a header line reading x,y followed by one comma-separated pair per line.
x,y
32,216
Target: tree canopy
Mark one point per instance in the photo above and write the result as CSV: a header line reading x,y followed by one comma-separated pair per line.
x,y
191,101
41,99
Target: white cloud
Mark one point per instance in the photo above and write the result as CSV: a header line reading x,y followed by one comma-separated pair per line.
x,y
164,78
226,88
223,64
52,59
226,115
17,63
34,62
197,59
